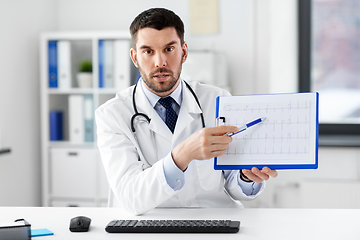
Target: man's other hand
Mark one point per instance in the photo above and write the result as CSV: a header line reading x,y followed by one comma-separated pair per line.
x,y
259,176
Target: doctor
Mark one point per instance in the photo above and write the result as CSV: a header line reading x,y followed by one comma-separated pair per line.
x,y
163,155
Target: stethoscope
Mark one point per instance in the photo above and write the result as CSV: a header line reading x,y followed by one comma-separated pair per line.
x,y
137,114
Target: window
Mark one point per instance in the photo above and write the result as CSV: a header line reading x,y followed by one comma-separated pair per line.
x,y
329,62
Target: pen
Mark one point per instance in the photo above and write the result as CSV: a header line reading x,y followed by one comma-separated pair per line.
x,y
246,126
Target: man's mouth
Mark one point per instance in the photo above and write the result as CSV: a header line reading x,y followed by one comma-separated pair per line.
x,y
162,75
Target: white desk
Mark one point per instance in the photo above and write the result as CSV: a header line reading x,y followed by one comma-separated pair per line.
x,y
255,223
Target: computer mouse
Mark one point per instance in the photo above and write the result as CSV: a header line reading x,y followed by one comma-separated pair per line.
x,y
80,224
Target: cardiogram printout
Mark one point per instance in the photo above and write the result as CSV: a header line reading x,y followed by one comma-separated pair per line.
x,y
286,139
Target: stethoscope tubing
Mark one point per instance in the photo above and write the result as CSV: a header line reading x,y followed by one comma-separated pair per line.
x,y
137,114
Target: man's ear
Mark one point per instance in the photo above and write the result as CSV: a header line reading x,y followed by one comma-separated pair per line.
x,y
185,51
133,56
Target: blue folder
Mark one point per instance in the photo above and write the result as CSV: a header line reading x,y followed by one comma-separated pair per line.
x,y
56,125
101,64
52,61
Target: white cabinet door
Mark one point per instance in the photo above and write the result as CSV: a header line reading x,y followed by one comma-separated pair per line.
x,y
73,173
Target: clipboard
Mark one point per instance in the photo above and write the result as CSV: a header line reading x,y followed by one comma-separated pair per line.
x,y
287,139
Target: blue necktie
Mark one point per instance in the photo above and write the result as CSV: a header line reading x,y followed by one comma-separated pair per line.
x,y
171,116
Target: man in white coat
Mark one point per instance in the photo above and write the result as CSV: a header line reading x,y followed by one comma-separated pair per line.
x,y
170,162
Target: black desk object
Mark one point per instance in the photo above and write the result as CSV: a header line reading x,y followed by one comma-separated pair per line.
x,y
5,150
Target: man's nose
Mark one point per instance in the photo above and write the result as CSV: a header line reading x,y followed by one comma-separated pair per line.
x,y
160,60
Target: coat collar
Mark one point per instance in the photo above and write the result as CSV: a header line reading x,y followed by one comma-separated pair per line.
x,y
153,98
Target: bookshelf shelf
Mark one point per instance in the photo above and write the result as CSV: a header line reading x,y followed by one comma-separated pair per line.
x,y
69,151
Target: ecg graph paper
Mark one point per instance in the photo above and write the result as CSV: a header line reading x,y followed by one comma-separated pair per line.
x,y
287,136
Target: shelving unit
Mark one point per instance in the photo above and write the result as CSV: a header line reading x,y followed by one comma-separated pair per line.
x,y
72,173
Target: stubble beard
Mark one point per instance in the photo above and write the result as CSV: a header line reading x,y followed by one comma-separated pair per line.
x,y
160,87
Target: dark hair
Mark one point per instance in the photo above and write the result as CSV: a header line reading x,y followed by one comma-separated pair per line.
x,y
157,18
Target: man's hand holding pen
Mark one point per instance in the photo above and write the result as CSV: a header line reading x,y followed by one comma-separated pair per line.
x,y
212,142
204,144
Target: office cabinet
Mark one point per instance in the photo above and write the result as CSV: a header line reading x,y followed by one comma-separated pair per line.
x,y
66,179
79,71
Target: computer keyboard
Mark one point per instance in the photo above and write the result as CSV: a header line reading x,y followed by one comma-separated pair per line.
x,y
173,226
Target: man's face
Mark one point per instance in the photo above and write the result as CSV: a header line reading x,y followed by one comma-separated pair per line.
x,y
159,56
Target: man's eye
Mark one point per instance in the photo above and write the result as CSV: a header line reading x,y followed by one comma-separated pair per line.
x,y
169,49
148,52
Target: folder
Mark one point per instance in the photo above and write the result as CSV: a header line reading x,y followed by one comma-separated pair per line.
x,y
286,139
122,63
88,118
76,118
101,63
56,125
64,64
108,64
52,61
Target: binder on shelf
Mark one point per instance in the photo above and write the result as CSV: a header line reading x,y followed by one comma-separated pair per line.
x,y
64,64
88,118
108,64
56,125
101,63
122,65
76,119
52,58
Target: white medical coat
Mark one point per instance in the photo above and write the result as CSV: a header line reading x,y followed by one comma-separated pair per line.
x,y
139,188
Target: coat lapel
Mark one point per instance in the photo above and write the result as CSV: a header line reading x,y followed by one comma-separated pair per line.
x,y
188,112
156,125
